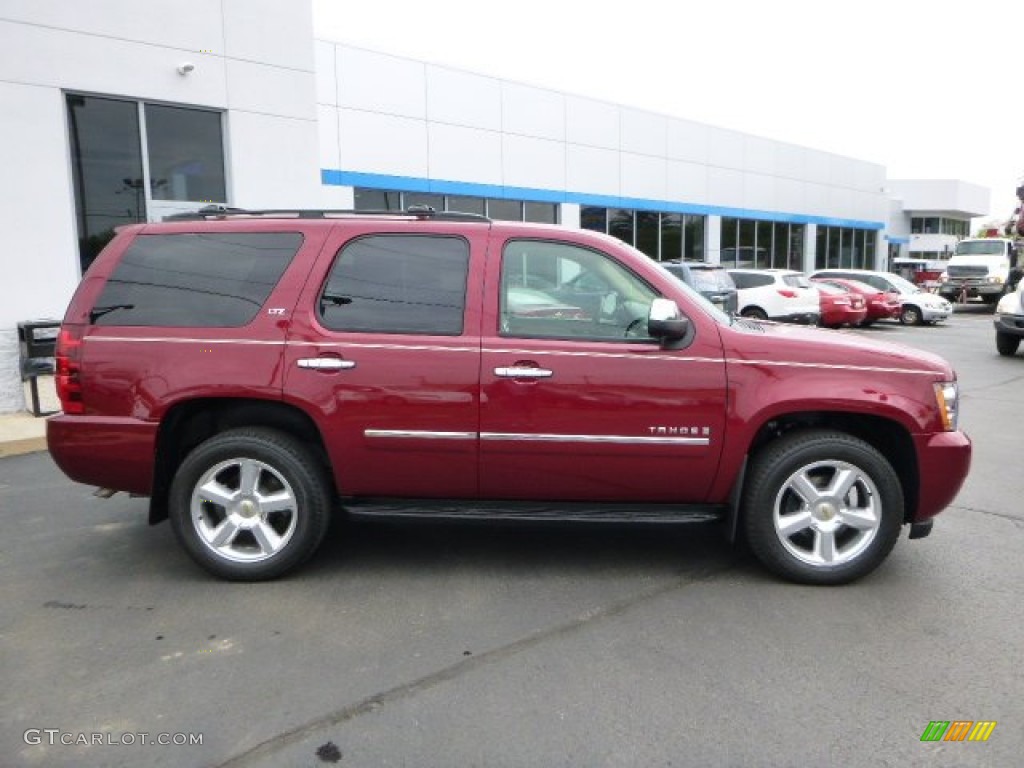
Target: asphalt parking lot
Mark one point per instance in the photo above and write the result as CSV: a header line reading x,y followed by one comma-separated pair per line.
x,y
501,646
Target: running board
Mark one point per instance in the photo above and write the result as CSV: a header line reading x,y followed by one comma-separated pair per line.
x,y
529,511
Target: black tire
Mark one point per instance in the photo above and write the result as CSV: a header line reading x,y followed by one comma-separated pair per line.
x,y
873,500
1006,344
866,323
911,315
755,313
268,530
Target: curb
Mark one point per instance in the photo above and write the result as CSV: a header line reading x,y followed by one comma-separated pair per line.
x,y
21,447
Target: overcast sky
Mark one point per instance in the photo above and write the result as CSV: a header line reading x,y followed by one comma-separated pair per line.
x,y
931,90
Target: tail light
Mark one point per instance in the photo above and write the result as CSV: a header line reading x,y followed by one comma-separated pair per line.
x,y
786,293
68,359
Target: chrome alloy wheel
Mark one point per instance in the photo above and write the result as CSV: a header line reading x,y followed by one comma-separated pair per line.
x,y
243,510
827,513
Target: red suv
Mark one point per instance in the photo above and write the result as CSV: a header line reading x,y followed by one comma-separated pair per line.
x,y
254,372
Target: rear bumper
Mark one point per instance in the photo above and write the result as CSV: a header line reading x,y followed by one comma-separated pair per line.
x,y
115,453
944,459
806,318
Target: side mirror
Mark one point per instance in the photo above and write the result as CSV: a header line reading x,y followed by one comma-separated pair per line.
x,y
666,322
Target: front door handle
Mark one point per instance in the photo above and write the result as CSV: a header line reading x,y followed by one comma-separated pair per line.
x,y
326,363
523,372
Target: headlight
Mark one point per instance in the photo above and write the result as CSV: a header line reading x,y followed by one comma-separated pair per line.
x,y
1009,304
994,279
947,396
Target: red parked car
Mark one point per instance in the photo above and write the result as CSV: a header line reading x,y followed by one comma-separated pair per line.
x,y
840,307
881,305
255,373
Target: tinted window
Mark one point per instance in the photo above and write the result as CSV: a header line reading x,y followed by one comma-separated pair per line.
x,y
186,154
796,281
398,284
751,280
195,279
106,162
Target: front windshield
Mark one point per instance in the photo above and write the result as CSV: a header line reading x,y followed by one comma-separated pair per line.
x,y
902,285
711,279
704,303
980,248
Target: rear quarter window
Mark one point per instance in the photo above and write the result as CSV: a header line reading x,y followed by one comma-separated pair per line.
x,y
199,279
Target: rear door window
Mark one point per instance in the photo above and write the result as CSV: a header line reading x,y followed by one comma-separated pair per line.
x,y
398,284
195,279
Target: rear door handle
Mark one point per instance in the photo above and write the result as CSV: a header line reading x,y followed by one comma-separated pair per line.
x,y
326,363
523,372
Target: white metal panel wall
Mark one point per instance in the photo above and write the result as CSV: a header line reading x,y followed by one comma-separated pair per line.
x,y
378,143
591,123
528,111
462,98
530,162
458,152
374,82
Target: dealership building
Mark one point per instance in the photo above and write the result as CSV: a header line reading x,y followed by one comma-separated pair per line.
x,y
118,112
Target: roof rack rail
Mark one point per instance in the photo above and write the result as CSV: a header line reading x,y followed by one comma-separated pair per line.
x,y
227,212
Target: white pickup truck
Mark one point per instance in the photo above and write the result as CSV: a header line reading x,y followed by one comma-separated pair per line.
x,y
980,268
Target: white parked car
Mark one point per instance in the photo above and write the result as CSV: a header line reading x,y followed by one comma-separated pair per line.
x,y
917,307
777,294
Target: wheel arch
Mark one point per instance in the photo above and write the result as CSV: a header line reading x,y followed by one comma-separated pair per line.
x,y
189,423
888,437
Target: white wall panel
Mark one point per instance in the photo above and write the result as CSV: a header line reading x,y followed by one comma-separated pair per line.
x,y
688,140
592,170
39,56
326,72
271,90
725,187
375,82
193,25
759,192
817,199
789,195
273,161
759,155
590,122
330,144
373,143
643,133
40,254
790,161
725,149
464,154
278,32
643,176
817,167
687,182
537,163
461,98
528,111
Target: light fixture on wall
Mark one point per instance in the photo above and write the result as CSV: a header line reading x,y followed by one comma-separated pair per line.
x,y
186,68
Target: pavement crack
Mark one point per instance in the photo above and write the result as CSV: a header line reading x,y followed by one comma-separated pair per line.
x,y
466,665
1018,522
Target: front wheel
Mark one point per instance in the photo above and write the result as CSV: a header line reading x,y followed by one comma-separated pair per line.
x,y
250,504
755,313
822,507
911,315
1006,345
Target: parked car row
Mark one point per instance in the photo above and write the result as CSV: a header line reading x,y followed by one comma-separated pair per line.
x,y
828,297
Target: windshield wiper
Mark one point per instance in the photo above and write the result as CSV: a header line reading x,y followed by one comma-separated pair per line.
x,y
98,312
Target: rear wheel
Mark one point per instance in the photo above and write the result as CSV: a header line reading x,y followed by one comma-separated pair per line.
x,y
822,507
1006,344
755,313
250,504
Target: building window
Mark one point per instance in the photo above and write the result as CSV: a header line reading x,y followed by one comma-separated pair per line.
x,y
662,236
186,154
367,199
127,154
844,247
